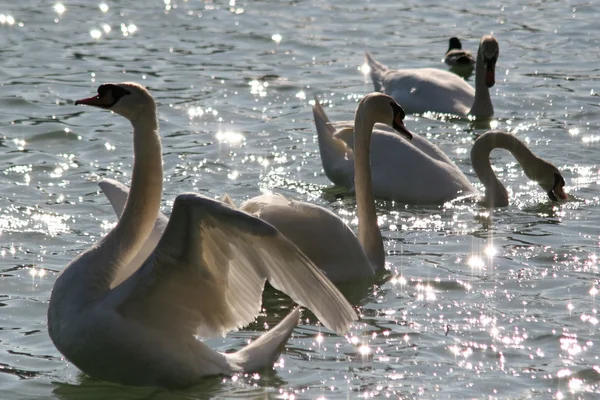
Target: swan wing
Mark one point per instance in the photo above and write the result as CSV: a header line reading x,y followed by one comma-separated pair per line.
x,y
207,274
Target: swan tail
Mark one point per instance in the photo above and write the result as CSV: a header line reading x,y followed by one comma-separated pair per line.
x,y
336,164
324,126
378,70
264,351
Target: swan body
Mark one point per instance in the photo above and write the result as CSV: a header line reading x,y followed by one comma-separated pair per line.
x,y
460,61
436,179
430,89
204,277
320,234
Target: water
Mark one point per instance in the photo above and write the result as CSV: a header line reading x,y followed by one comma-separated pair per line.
x,y
482,305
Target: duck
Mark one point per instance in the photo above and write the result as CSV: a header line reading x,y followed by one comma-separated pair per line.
x,y
420,90
460,61
435,178
204,278
319,233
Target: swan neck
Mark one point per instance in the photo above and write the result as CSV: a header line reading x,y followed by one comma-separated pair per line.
x,y
369,233
482,103
125,240
495,192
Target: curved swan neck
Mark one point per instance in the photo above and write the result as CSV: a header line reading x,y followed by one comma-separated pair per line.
x,y
124,241
369,234
495,193
482,103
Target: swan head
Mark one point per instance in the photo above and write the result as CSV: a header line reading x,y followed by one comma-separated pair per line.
x,y
128,99
488,55
549,179
384,109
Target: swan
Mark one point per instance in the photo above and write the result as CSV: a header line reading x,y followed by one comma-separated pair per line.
x,y
320,234
204,277
431,89
460,61
436,179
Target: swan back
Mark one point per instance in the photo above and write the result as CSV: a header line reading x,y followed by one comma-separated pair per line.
x,y
335,249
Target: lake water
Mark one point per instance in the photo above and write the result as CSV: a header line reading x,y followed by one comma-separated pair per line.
x,y
482,304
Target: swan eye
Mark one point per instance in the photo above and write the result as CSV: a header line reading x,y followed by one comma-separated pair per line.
x,y
398,110
103,90
491,62
111,94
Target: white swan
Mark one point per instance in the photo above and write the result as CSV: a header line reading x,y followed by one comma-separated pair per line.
x,y
318,232
460,61
205,277
433,177
431,89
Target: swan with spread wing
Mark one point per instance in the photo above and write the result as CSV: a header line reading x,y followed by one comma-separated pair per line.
x,y
204,277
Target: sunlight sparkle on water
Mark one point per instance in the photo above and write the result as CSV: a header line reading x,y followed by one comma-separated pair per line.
x,y
195,112
398,280
590,139
103,7
425,292
127,30
365,69
276,38
364,350
574,131
319,338
95,33
258,87
490,251
20,144
576,385
493,124
570,345
7,19
37,272
230,137
59,8
233,175
475,262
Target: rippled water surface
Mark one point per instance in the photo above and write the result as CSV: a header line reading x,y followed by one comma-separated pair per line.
x,y
481,304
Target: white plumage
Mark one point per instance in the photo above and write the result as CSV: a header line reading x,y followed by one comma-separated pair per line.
x,y
205,276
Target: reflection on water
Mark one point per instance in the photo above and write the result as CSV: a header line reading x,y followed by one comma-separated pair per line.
x,y
475,303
